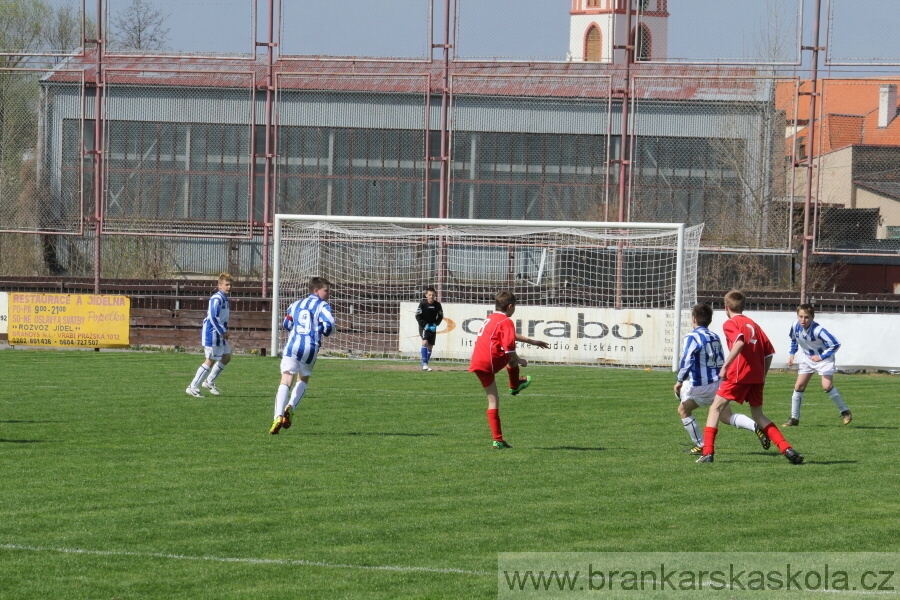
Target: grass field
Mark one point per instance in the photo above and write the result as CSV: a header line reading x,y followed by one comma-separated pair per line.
x,y
116,484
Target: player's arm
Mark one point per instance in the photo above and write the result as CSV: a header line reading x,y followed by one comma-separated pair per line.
x,y
793,350
768,363
326,320
831,343
735,350
215,306
439,313
420,318
688,356
533,342
515,360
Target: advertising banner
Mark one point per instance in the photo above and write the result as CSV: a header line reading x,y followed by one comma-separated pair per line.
x,y
576,335
69,320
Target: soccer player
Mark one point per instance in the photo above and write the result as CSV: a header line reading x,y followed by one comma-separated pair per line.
x,y
429,315
495,348
818,347
308,320
743,376
698,379
214,337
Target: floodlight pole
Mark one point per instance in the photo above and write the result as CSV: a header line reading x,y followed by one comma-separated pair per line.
x,y
268,195
99,184
807,204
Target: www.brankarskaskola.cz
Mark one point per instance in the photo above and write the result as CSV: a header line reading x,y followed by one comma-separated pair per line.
x,y
791,577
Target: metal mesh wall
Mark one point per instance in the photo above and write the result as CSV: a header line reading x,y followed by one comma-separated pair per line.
x,y
715,157
714,32
863,32
382,28
39,191
351,152
858,184
517,156
178,154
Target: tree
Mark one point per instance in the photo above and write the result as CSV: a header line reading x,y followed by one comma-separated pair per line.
x,y
140,26
21,29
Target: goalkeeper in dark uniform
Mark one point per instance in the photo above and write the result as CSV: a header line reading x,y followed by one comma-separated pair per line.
x,y
429,315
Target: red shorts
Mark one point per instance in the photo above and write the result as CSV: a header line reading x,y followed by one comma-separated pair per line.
x,y
485,377
738,392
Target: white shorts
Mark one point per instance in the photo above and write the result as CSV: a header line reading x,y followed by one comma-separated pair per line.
x,y
294,366
805,365
703,395
216,352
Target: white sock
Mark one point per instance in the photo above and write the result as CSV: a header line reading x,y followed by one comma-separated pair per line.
x,y
796,401
297,394
281,398
198,378
217,368
690,425
838,400
742,422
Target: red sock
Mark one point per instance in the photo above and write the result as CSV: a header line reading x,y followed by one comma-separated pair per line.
x,y
513,373
774,434
493,416
709,440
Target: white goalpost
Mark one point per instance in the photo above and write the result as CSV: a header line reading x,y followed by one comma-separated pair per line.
x,y
599,293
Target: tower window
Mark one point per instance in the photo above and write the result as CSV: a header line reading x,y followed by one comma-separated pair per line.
x,y
642,44
593,49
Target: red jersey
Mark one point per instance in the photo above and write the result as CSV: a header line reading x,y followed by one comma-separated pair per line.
x,y
496,339
750,365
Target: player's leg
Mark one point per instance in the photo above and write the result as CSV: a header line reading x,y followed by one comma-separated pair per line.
x,y
194,388
424,351
835,395
755,399
685,411
517,383
797,397
489,384
719,405
224,357
742,421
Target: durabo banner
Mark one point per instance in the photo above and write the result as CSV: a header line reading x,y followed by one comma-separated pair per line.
x,y
69,320
576,335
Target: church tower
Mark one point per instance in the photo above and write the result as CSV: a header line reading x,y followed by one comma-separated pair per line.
x,y
598,25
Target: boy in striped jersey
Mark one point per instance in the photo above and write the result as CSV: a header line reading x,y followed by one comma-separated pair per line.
x,y
308,320
214,337
698,379
818,347
743,378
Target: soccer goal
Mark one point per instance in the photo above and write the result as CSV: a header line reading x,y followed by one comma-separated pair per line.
x,y
599,293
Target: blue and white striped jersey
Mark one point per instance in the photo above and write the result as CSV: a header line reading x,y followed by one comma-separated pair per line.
x,y
216,322
701,357
308,320
813,341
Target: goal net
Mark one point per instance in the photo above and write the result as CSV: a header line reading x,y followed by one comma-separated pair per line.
x,y
598,293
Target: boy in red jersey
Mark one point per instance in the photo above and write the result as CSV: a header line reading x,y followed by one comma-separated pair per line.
x,y
743,376
495,348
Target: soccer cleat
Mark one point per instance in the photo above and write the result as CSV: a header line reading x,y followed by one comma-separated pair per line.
x,y
211,386
523,383
794,457
695,451
286,417
792,422
192,391
276,425
706,458
762,437
425,367
501,445
847,417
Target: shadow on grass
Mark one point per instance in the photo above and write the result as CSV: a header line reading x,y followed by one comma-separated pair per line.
x,y
3,441
373,433
870,427
22,422
574,448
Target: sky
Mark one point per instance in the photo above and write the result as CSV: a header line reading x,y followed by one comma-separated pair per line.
x,y
858,31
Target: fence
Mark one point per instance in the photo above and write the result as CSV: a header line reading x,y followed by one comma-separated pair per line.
x,y
158,139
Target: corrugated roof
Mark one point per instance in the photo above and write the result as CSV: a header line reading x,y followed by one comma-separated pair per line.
x,y
519,79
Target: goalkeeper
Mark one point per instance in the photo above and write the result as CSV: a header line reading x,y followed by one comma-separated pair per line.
x,y
429,315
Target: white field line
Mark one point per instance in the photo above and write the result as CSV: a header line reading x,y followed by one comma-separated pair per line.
x,y
253,561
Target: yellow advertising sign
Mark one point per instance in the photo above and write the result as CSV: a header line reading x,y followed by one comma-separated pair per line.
x,y
69,320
